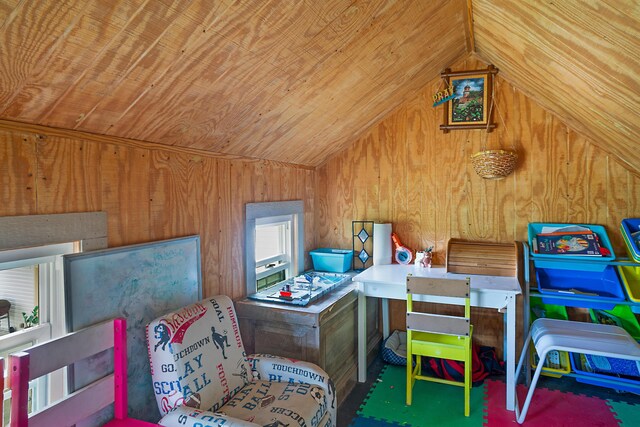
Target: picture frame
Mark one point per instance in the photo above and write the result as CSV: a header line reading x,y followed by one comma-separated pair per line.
x,y
470,107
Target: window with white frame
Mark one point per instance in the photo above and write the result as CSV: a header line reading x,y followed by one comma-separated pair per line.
x,y
274,243
32,291
32,282
273,246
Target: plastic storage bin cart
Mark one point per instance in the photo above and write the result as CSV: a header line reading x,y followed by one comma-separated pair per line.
x,y
630,227
613,379
599,370
332,260
630,277
570,262
593,289
556,363
629,274
620,315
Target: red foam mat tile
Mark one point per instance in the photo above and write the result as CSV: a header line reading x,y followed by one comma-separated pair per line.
x,y
549,408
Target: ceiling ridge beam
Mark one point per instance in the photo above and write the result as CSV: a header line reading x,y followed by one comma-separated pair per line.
x,y
471,43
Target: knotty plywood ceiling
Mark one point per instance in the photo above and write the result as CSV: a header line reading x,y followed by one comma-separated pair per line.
x,y
297,80
578,59
292,81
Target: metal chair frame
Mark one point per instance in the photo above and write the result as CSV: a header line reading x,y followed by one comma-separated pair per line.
x,y
576,337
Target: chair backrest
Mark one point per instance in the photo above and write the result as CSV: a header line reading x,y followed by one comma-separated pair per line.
x,y
48,357
439,323
196,355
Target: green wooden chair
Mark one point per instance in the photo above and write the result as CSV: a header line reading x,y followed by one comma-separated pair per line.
x,y
435,335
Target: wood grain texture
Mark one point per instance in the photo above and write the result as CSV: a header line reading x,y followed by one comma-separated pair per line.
x,y
18,166
578,60
562,176
126,201
69,178
149,194
277,80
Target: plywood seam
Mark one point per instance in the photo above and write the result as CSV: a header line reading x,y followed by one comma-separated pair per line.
x,y
91,137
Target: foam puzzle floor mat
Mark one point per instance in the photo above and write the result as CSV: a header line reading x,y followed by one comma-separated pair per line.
x,y
554,404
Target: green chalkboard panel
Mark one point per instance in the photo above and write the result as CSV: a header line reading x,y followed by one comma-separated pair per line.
x,y
138,282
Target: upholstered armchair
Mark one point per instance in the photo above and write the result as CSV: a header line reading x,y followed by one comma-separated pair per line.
x,y
202,376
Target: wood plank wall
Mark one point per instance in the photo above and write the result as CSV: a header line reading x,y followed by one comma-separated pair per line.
x,y
406,171
148,193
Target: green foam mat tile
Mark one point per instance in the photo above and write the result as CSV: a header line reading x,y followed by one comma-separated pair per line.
x,y
627,414
433,404
485,406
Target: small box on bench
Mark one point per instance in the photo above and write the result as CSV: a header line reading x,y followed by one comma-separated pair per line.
x,y
491,259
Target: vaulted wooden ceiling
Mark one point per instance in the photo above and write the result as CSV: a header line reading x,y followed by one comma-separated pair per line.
x,y
286,80
578,59
295,81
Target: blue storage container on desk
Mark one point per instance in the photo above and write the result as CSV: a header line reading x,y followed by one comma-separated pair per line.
x,y
566,261
592,289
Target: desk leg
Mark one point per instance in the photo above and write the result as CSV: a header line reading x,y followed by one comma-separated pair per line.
x,y
362,334
385,317
511,352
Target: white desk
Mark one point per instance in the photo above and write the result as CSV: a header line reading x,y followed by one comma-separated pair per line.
x,y
389,282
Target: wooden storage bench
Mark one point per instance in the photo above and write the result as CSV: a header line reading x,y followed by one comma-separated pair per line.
x,y
323,332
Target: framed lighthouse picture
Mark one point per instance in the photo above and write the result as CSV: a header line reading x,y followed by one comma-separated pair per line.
x,y
470,106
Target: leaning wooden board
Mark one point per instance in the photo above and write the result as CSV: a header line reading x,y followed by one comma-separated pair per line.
x,y
494,259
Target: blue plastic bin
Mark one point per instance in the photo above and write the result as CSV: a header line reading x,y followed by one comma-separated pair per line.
x,y
571,262
601,379
559,282
628,227
331,260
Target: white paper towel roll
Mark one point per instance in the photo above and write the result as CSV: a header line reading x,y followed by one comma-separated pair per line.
x,y
382,244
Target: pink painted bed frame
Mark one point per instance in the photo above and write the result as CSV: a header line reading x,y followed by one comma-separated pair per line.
x,y
61,352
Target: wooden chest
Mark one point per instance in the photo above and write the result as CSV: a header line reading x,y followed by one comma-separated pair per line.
x,y
493,259
323,333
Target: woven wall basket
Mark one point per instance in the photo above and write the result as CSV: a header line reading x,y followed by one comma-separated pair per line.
x,y
494,164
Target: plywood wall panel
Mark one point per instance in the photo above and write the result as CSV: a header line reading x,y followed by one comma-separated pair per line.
x,y
126,201
210,234
617,199
371,152
169,189
18,165
415,165
598,177
525,115
399,178
148,193
343,193
561,177
225,233
310,204
577,177
69,179
234,249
